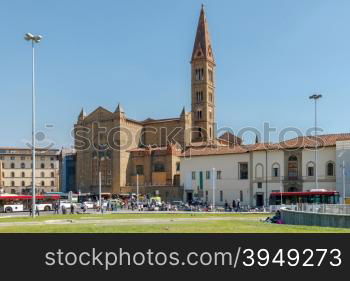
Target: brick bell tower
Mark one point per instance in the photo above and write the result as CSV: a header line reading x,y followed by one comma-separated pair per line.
x,y
202,84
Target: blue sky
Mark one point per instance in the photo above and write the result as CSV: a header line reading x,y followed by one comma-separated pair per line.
x,y
271,55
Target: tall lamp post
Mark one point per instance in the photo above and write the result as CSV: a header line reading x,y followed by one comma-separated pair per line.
x,y
213,189
315,98
34,39
137,191
100,155
344,182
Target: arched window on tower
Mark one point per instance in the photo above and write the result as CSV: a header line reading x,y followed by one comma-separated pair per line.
x,y
199,74
199,96
210,74
199,114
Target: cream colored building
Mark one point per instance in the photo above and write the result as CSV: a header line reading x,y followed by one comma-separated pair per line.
x,y
16,170
231,174
287,166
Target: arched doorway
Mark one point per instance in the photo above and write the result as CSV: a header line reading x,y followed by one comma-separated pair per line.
x,y
292,189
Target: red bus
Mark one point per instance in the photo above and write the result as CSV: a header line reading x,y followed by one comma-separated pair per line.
x,y
18,203
308,197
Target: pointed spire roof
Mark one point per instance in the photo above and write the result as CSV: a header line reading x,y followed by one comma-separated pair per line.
x,y
202,47
119,109
183,111
82,114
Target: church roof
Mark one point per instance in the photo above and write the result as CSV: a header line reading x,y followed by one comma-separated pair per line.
x,y
230,138
150,120
175,151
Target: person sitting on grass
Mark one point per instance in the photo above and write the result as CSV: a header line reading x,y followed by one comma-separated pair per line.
x,y
275,219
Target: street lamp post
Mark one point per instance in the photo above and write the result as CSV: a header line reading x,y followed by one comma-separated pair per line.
x,y
100,186
34,39
137,191
315,98
100,156
344,182
213,189
281,190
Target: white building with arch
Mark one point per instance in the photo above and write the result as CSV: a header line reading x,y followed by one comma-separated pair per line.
x,y
288,166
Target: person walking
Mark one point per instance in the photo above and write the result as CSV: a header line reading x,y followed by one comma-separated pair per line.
x,y
84,207
63,209
71,208
56,207
37,211
233,205
238,206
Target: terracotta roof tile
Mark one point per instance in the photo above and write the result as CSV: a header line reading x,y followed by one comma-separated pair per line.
x,y
231,138
218,150
299,142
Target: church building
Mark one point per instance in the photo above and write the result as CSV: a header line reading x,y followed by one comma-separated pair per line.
x,y
122,148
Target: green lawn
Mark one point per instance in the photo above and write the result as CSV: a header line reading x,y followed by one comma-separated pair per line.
x,y
155,223
130,216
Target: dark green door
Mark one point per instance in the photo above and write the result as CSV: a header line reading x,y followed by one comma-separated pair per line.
x,y
201,180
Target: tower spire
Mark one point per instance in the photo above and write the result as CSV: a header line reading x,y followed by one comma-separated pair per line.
x,y
119,109
203,84
82,114
202,47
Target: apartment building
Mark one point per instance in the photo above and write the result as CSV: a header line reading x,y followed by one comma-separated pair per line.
x,y
16,170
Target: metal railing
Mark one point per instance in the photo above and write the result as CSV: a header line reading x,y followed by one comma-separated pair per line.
x,y
335,209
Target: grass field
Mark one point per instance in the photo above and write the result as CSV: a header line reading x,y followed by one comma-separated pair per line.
x,y
154,223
